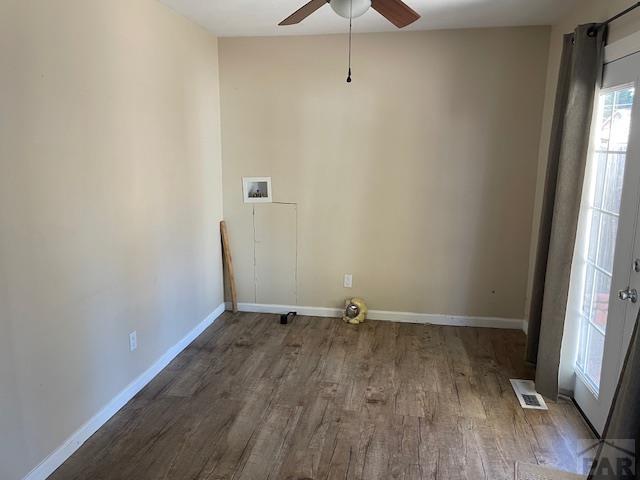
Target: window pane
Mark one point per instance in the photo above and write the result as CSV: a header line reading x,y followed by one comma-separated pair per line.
x,y
595,351
594,235
604,121
587,296
615,178
607,243
625,97
600,160
600,305
582,346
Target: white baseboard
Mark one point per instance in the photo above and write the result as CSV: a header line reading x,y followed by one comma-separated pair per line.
x,y
75,441
405,317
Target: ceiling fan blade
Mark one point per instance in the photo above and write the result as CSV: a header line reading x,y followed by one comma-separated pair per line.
x,y
396,11
303,12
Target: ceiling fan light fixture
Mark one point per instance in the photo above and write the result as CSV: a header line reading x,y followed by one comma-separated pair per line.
x,y
346,9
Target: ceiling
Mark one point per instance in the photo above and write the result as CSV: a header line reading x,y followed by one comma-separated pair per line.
x,y
230,18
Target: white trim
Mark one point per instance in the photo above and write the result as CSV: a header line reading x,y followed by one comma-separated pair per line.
x,y
525,326
622,48
403,317
75,441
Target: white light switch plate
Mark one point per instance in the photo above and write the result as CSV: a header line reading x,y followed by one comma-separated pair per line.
x,y
133,341
348,280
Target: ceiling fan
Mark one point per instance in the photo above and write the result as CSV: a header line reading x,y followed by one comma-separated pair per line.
x,y
396,11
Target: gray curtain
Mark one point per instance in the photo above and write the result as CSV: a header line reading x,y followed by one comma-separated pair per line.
x,y
624,417
580,74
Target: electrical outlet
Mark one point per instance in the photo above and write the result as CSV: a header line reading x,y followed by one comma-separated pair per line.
x,y
348,280
133,341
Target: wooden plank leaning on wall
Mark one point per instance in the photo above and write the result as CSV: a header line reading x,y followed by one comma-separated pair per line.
x,y
228,264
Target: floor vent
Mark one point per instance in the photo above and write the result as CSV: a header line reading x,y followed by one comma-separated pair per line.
x,y
525,390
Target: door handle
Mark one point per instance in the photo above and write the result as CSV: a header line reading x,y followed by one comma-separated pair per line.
x,y
630,294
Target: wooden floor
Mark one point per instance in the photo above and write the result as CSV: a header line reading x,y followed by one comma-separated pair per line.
x,y
319,399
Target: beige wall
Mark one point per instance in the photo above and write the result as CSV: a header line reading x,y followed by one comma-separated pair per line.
x,y
586,11
110,194
418,178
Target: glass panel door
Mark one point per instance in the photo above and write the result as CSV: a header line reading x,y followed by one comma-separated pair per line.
x,y
605,177
598,321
